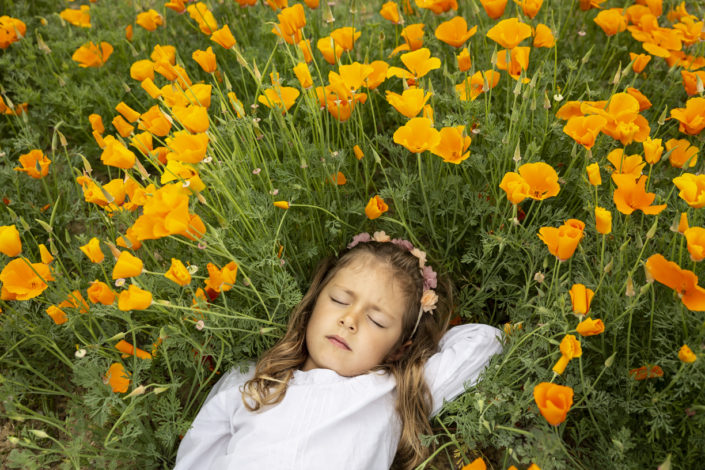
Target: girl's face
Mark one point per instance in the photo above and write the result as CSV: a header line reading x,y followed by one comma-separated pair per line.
x,y
362,306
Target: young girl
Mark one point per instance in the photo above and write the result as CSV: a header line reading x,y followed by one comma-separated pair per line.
x,y
355,379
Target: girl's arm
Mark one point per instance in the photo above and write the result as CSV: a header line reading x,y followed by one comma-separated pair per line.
x,y
210,432
465,351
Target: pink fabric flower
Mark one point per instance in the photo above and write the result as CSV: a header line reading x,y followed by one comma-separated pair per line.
x,y
359,238
406,244
381,237
421,255
430,279
428,300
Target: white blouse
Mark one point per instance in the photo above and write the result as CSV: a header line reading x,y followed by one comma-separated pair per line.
x,y
326,420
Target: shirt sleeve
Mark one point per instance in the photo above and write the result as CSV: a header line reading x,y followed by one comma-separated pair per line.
x,y
465,351
210,432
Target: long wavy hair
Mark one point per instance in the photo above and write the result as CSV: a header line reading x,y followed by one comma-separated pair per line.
x,y
276,366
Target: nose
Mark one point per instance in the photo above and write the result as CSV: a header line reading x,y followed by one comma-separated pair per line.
x,y
348,321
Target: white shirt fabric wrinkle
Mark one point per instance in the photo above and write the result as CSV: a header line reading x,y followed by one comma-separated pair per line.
x,y
326,420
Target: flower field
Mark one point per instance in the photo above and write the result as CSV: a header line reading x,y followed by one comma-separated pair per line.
x,y
172,171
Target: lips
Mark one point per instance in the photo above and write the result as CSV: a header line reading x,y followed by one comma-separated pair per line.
x,y
338,341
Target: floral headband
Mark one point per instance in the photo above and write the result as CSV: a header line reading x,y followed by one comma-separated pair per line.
x,y
429,297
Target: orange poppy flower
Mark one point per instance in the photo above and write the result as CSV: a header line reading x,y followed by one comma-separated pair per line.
x,y
57,315
200,13
93,251
291,22
682,153
413,38
646,372
631,195
377,75
154,121
186,147
359,154
303,74
375,207
390,12
563,241
206,59
281,97
477,84
690,81
75,300
10,243
685,354
123,127
452,145
455,31
134,298
515,186
518,61
584,129
192,117
692,117
45,254
22,280
683,281
417,135
117,378
224,37
580,298
612,21
178,273
418,63
464,62
624,122
100,292
529,7
494,8
593,172
696,242
603,220
77,17
142,69
128,349
626,164
330,49
34,164
410,102
652,150
221,280
692,189
683,222
554,401
305,48
150,19
179,6
542,180
345,37
570,349
127,265
639,61
96,123
543,36
509,33
90,55
590,327
644,102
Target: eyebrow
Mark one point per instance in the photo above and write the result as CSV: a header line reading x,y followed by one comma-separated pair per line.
x,y
373,306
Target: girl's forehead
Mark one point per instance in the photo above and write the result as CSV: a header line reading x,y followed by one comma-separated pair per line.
x,y
370,274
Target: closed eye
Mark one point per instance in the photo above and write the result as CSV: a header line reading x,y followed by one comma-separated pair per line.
x,y
337,301
376,322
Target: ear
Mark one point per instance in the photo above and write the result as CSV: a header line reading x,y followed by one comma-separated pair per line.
x,y
396,355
